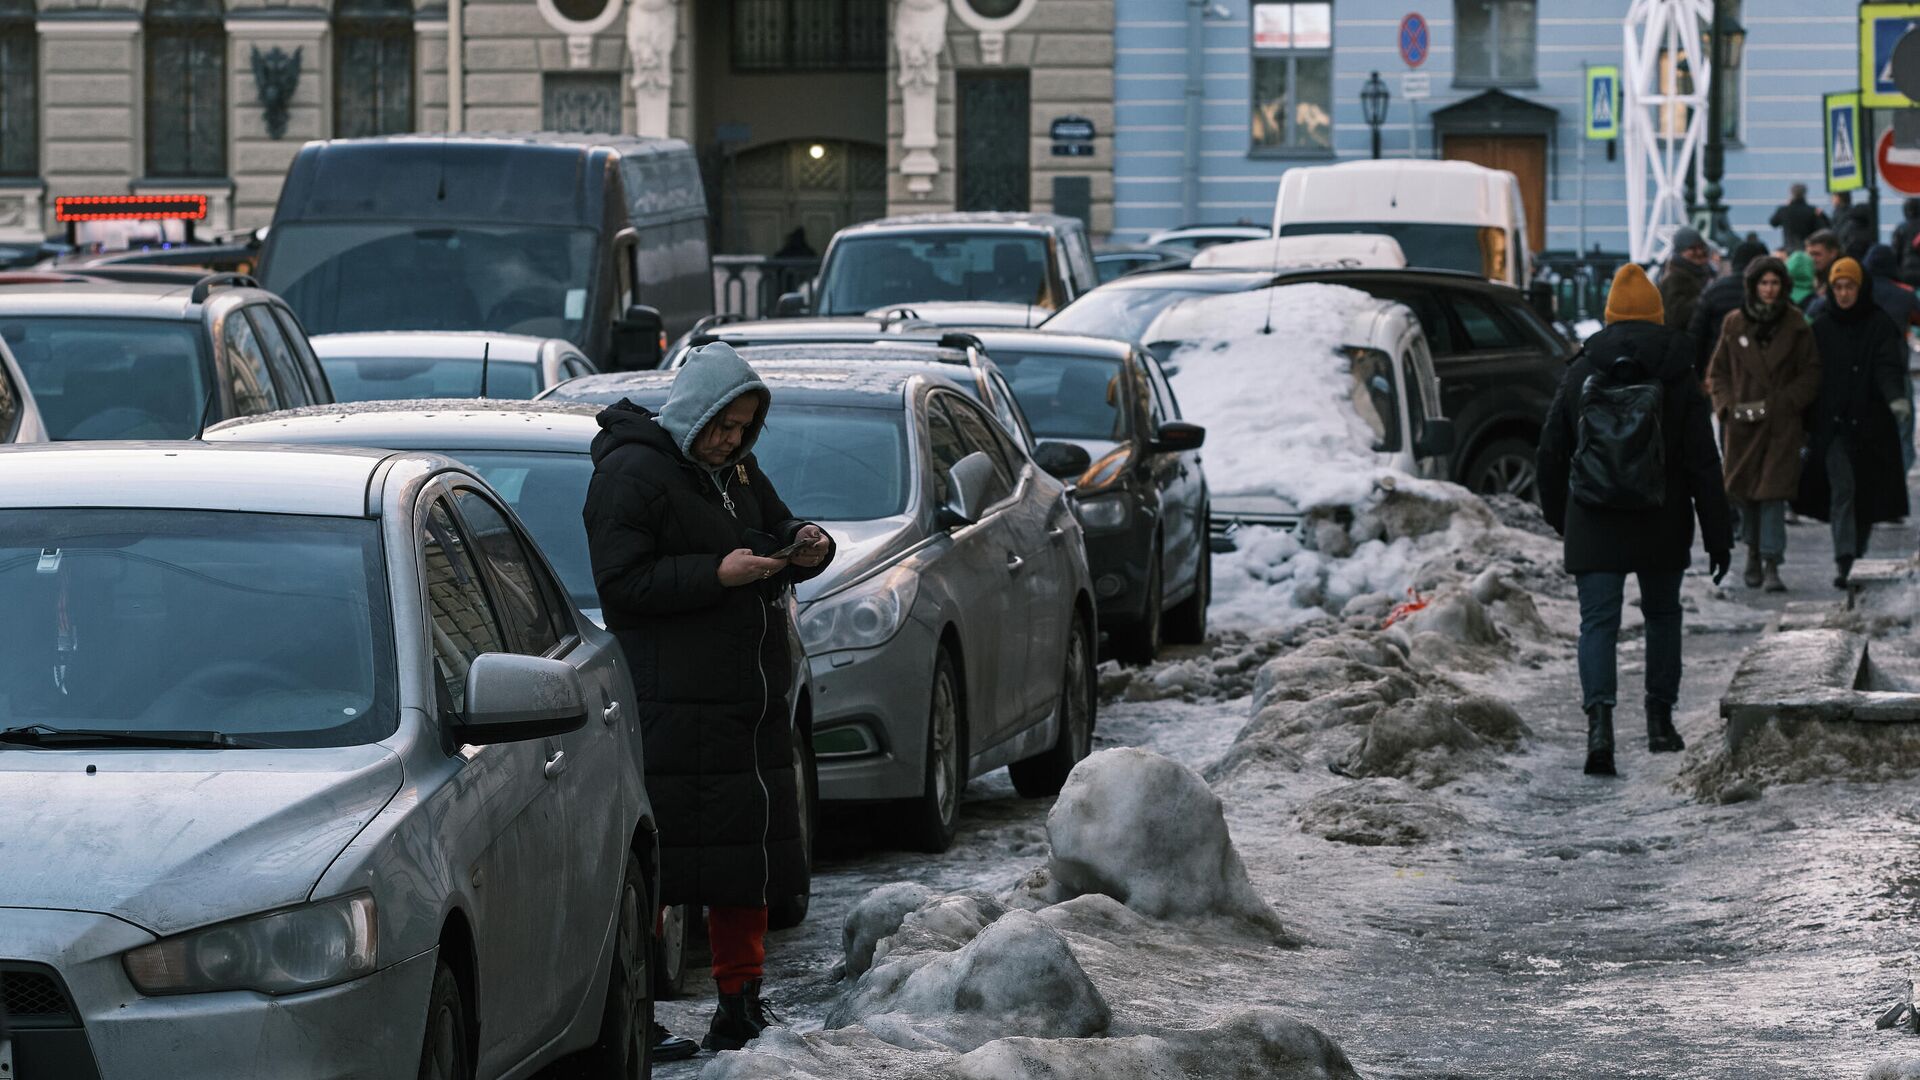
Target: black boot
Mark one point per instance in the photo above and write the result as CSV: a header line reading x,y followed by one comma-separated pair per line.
x,y
1600,741
1843,569
1662,738
739,1020
670,1047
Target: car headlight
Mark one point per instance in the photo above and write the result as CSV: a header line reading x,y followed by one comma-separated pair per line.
x,y
864,616
1104,512
283,952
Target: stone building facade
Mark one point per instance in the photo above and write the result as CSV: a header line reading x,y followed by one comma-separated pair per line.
x,y
807,114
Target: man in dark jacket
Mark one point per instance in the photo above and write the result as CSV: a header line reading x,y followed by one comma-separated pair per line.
x,y
1900,305
1854,476
1605,544
680,523
1853,226
1687,272
1796,220
1906,243
1725,294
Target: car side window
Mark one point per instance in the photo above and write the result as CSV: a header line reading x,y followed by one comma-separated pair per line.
x,y
1157,411
977,433
9,405
297,338
1485,327
944,447
464,623
526,598
1006,408
1410,368
280,359
1168,405
253,390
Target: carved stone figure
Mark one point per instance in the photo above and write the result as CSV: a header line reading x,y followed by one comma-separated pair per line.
x,y
653,26
275,77
919,33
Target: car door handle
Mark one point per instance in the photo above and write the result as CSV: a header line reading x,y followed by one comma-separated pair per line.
x,y
611,714
1057,534
1015,563
556,764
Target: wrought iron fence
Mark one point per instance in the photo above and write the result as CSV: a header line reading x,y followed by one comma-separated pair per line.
x,y
1579,281
750,285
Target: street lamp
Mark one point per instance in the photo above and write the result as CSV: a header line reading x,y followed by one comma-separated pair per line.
x,y
1726,44
1373,106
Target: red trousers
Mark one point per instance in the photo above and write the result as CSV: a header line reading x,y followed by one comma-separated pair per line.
x,y
738,938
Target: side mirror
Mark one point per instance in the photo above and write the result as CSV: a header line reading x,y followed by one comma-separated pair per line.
x,y
1541,299
514,698
639,339
1176,437
1436,438
1063,460
790,305
968,484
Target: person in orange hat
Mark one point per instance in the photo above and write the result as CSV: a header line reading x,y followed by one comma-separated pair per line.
x,y
1626,465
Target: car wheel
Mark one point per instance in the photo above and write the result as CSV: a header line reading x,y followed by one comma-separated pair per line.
x,y
670,954
1045,774
787,912
624,1049
934,817
443,1051
1187,622
1505,467
1140,643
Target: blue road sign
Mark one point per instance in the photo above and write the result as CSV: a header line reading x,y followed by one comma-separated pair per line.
x,y
1881,28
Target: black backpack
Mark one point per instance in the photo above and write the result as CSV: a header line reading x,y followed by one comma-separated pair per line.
x,y
1620,458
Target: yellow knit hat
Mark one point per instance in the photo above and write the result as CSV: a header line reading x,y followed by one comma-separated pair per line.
x,y
1633,298
1845,270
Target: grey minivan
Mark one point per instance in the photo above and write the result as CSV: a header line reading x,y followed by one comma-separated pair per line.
x,y
309,765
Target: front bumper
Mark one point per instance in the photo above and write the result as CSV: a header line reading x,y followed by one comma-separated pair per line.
x,y
1117,565
886,691
367,1028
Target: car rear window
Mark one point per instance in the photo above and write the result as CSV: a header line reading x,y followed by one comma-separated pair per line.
x,y
396,378
106,378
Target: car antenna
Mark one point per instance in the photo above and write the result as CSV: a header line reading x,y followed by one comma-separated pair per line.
x,y
206,411
1274,272
486,351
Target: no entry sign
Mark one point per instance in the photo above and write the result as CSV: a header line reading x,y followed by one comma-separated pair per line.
x,y
1899,168
1415,41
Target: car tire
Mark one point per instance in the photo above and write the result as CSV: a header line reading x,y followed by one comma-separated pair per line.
x,y
624,1049
933,818
1140,642
1046,773
1505,467
787,912
1187,622
445,1048
670,954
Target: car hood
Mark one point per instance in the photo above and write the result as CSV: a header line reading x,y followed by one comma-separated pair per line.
x,y
859,548
174,839
971,313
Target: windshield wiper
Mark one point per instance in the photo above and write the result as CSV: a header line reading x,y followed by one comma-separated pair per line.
x,y
171,738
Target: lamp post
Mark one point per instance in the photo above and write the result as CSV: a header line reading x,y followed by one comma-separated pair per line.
x,y
1725,41
1373,106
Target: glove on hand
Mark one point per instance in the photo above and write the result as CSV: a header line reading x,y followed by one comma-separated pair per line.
x,y
1718,563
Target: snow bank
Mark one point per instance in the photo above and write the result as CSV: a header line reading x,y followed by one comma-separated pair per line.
x,y
1149,832
1895,1069
1379,812
1257,1043
1799,752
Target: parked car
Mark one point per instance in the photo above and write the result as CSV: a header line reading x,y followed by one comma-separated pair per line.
x,y
19,416
737,330
948,534
310,761
1112,261
423,364
537,457
1392,373
958,268
126,361
1446,215
1277,253
1201,236
598,239
1124,307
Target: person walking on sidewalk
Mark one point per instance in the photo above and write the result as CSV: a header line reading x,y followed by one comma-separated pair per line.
x,y
675,513
1687,272
1723,295
1855,476
1796,220
1762,376
1626,465
1802,280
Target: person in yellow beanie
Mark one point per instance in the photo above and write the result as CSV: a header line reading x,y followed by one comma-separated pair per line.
x,y
1626,465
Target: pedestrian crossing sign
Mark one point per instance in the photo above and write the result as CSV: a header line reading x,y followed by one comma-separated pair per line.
x,y
1603,102
1841,115
1881,28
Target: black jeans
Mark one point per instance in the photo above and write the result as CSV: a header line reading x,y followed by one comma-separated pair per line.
x,y
1601,595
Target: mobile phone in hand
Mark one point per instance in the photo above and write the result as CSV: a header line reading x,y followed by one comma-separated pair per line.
x,y
790,550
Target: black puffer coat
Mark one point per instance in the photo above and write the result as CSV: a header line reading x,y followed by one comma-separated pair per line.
x,y
710,663
1863,360
1625,541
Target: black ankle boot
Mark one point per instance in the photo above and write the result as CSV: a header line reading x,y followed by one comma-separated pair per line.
x,y
1662,738
1600,741
739,1020
670,1047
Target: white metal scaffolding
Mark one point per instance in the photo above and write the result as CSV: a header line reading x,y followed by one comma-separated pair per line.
x,y
1664,129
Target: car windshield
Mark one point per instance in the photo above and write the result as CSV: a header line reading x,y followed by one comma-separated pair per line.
x,y
547,489
1066,395
836,464
889,269
270,628
1428,246
105,378
392,378
353,276
1117,313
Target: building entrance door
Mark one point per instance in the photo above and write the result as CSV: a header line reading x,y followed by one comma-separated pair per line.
x,y
1525,156
994,119
816,185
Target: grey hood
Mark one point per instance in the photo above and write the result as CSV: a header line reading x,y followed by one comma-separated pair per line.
x,y
712,378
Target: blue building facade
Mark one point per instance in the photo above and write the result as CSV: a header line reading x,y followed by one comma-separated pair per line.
x,y
1280,85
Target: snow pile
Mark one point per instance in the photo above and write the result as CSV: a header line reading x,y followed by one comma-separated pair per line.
x,y
1379,812
1895,1069
1149,832
1799,752
1256,1043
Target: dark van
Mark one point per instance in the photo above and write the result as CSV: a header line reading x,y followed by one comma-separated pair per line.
x,y
601,240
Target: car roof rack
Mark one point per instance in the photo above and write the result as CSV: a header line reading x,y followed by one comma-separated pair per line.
x,y
897,314
961,339
205,286
708,322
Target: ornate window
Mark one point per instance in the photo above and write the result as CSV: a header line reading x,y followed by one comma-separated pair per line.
x,y
1292,78
186,88
19,97
372,68
1494,42
809,35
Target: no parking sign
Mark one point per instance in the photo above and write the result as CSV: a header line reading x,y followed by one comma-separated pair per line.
x,y
1415,40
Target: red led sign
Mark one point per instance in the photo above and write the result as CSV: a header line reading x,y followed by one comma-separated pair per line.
x,y
70,208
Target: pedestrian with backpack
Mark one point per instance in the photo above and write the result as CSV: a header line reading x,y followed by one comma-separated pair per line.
x,y
1762,377
1626,465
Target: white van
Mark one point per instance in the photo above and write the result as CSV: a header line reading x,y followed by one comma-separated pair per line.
x,y
1357,251
1446,215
